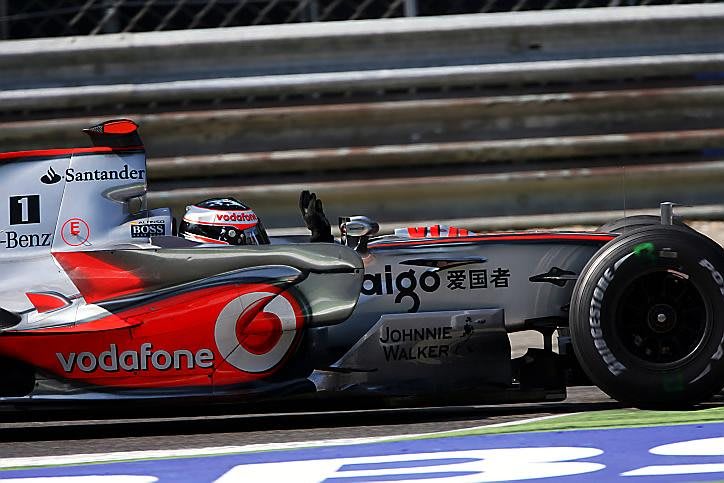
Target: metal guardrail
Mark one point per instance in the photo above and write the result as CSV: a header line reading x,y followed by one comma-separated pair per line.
x,y
410,122
688,66
499,112
420,155
364,45
49,18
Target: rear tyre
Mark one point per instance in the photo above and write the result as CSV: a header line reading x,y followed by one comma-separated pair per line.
x,y
636,221
647,317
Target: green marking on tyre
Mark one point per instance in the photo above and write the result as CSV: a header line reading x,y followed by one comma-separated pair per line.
x,y
645,249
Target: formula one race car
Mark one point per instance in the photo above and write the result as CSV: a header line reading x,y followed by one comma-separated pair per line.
x,y
100,301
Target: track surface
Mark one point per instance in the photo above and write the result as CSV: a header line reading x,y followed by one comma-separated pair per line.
x,y
35,437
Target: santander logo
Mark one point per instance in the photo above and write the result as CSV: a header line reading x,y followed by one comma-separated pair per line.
x,y
255,331
236,216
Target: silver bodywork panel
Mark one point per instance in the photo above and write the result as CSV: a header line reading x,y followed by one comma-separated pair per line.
x,y
443,350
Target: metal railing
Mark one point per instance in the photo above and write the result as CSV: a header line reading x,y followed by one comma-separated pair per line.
x,y
345,85
51,18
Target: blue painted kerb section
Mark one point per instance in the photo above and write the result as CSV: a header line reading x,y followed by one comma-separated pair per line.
x,y
623,450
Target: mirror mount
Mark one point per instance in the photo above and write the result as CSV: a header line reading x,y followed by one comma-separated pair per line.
x,y
356,232
667,213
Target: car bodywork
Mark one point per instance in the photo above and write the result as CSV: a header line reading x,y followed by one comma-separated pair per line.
x,y
101,302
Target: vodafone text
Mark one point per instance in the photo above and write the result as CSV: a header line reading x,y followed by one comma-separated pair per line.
x,y
131,360
236,216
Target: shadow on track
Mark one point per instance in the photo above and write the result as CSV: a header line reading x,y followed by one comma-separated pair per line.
x,y
131,423
210,423
211,427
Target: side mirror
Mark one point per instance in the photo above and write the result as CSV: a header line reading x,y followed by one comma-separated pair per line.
x,y
356,231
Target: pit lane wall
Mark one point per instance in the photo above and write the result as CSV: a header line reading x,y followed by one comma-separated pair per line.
x,y
516,113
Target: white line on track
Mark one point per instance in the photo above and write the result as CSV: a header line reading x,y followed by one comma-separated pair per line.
x,y
75,459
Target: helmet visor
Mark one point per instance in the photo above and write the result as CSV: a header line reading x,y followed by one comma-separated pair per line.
x,y
224,235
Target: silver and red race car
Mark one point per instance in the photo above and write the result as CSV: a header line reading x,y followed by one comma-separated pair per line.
x,y
99,301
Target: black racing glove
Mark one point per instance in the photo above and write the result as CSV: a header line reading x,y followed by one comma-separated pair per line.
x,y
314,218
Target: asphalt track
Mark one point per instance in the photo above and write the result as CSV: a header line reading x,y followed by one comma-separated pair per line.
x,y
37,435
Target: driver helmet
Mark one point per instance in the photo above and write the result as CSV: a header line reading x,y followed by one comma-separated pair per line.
x,y
223,221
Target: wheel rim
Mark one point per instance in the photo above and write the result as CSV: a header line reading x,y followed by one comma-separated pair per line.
x,y
662,318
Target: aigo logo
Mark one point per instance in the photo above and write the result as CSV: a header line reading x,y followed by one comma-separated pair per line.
x,y
255,331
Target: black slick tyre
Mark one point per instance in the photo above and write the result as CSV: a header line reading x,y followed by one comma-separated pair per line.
x,y
647,317
636,221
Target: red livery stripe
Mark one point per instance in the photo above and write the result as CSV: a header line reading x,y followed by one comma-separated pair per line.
x,y
417,232
48,153
45,302
550,237
97,280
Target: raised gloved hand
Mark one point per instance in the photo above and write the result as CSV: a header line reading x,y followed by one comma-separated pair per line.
x,y
314,217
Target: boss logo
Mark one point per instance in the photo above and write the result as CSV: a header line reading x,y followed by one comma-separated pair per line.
x,y
148,230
